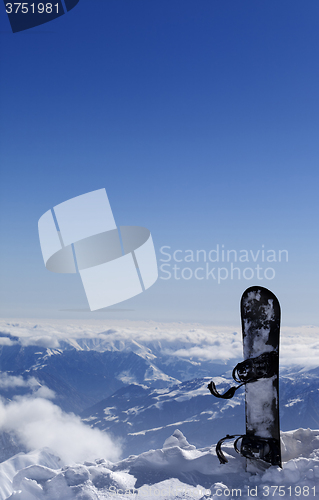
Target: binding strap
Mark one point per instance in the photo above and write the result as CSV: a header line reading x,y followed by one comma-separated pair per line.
x,y
221,457
228,394
250,370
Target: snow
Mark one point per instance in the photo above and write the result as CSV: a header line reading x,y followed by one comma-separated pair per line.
x,y
260,415
175,468
178,439
176,471
21,462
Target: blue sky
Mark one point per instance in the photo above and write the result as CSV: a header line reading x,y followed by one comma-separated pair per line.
x,y
200,119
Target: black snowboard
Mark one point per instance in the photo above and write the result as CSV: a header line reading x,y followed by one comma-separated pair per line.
x,y
260,316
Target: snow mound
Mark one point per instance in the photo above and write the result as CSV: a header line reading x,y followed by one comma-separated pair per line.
x,y
299,443
15,471
178,439
177,471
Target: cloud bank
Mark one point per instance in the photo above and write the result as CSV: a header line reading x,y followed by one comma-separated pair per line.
x,y
299,345
13,382
38,423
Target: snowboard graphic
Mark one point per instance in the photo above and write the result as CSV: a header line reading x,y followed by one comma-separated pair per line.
x,y
260,317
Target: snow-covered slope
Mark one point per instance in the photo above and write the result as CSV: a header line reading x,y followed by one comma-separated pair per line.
x,y
79,378
299,398
145,415
44,459
84,364
83,368
176,471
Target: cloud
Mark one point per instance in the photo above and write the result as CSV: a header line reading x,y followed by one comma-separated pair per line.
x,y
6,341
299,345
43,341
206,353
12,381
44,392
39,423
16,382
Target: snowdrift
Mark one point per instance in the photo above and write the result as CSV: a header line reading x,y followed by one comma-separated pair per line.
x,y
177,471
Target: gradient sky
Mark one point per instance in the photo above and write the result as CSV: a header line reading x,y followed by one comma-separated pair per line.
x,y
200,119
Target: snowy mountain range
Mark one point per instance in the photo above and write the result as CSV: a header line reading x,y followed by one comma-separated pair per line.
x,y
146,415
84,371
99,391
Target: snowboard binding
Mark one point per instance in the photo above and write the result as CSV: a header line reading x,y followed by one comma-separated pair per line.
x,y
252,447
250,370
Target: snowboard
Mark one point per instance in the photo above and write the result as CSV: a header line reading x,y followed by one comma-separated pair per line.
x,y
260,318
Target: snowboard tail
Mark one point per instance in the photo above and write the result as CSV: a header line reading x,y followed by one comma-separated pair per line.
x,y
260,317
